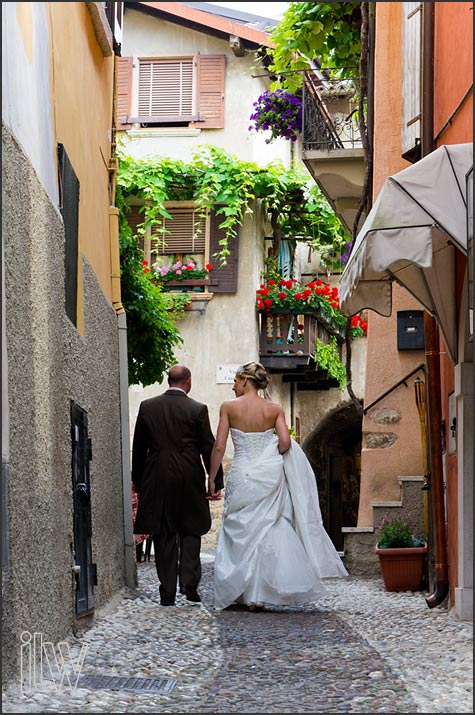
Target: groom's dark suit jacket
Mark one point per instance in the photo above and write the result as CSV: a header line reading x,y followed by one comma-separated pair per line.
x,y
172,440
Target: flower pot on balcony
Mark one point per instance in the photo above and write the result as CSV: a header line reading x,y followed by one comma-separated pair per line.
x,y
403,568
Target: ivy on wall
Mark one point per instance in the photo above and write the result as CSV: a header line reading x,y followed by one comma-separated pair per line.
x,y
298,211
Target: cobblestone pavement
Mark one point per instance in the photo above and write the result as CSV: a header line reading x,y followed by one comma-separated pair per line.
x,y
359,649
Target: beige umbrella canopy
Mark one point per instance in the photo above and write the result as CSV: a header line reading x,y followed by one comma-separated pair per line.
x,y
410,236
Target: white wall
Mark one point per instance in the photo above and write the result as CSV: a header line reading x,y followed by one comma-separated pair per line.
x,y
146,36
26,90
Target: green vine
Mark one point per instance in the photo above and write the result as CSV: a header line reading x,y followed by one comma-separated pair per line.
x,y
299,210
213,177
325,31
151,316
328,357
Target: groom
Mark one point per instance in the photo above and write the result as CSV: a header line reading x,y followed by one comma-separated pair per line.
x,y
172,440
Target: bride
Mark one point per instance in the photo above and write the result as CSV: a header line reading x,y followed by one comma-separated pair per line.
x,y
272,547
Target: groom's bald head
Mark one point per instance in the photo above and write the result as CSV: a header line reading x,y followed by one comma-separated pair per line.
x,y
179,376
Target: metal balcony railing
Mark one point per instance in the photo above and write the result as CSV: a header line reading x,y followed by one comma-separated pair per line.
x,y
330,113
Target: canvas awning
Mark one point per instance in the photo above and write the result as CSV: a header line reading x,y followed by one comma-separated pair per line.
x,y
410,236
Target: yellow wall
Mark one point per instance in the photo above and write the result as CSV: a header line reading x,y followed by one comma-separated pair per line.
x,y
82,89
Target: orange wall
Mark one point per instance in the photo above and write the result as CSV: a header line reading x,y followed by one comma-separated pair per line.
x,y
453,75
385,365
453,70
82,87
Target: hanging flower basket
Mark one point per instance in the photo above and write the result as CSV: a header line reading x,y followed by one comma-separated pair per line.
x,y
279,111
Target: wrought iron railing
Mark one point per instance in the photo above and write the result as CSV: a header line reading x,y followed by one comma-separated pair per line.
x,y
330,113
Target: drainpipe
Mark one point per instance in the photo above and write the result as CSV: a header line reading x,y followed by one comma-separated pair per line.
x,y
5,433
441,586
431,332
129,542
436,469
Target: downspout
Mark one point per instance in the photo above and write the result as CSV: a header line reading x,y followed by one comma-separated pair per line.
x,y
129,543
5,433
441,586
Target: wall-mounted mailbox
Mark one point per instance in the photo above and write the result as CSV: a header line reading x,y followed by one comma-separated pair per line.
x,y
410,330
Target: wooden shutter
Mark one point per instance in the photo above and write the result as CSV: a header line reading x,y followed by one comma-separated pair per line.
x,y
134,217
223,279
166,88
124,89
185,232
69,206
210,90
411,75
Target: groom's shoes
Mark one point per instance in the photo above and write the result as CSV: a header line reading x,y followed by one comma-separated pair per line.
x,y
192,596
167,602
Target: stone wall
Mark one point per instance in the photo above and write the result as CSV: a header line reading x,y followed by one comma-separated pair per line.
x,y
50,364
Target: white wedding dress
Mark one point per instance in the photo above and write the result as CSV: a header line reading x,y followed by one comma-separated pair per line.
x,y
272,547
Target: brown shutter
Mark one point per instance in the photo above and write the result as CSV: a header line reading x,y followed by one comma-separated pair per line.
x,y
124,86
210,86
185,232
134,217
223,279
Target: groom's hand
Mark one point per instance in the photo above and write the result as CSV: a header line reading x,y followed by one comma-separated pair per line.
x,y
215,496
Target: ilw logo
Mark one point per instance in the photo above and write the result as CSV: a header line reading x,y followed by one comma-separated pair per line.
x,y
36,653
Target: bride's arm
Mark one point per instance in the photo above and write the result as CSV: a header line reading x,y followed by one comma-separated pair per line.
x,y
219,448
282,432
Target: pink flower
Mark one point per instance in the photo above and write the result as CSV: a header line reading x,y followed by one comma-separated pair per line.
x,y
164,270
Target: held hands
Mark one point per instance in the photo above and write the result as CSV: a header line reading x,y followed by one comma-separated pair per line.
x,y
213,495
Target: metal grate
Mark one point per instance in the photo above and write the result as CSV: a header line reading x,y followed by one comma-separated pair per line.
x,y
115,682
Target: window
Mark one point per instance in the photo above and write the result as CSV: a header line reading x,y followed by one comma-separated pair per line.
x,y
114,12
171,91
69,207
166,88
185,236
411,80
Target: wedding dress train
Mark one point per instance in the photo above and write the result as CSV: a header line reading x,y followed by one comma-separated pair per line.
x,y
272,547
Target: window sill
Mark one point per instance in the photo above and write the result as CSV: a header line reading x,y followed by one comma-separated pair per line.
x,y
138,133
199,302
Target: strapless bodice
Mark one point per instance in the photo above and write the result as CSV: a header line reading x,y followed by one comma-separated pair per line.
x,y
248,449
250,445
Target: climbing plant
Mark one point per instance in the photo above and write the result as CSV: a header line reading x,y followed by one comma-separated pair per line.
x,y
151,316
298,209
326,32
213,177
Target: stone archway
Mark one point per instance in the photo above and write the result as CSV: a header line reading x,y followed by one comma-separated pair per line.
x,y
334,451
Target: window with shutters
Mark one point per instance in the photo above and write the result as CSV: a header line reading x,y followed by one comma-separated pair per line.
x,y
411,80
69,207
171,91
187,236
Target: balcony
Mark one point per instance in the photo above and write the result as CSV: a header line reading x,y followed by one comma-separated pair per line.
x,y
286,347
332,149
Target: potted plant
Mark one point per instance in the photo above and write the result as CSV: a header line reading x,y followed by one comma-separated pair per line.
x,y
401,556
316,298
182,276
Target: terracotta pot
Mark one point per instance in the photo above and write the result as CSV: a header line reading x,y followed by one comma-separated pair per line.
x,y
402,569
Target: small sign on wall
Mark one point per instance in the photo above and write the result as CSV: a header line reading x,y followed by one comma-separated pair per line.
x,y
225,374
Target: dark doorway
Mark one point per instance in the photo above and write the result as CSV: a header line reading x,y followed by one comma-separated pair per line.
x,y
84,568
334,451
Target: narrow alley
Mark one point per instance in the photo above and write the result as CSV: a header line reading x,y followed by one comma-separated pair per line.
x,y
360,649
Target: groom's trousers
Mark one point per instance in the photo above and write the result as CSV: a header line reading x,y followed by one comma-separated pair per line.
x,y
177,556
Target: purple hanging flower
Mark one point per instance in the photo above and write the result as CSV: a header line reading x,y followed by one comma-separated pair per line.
x,y
279,111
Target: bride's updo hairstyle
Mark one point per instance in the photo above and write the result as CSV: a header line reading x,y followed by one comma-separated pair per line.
x,y
256,372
